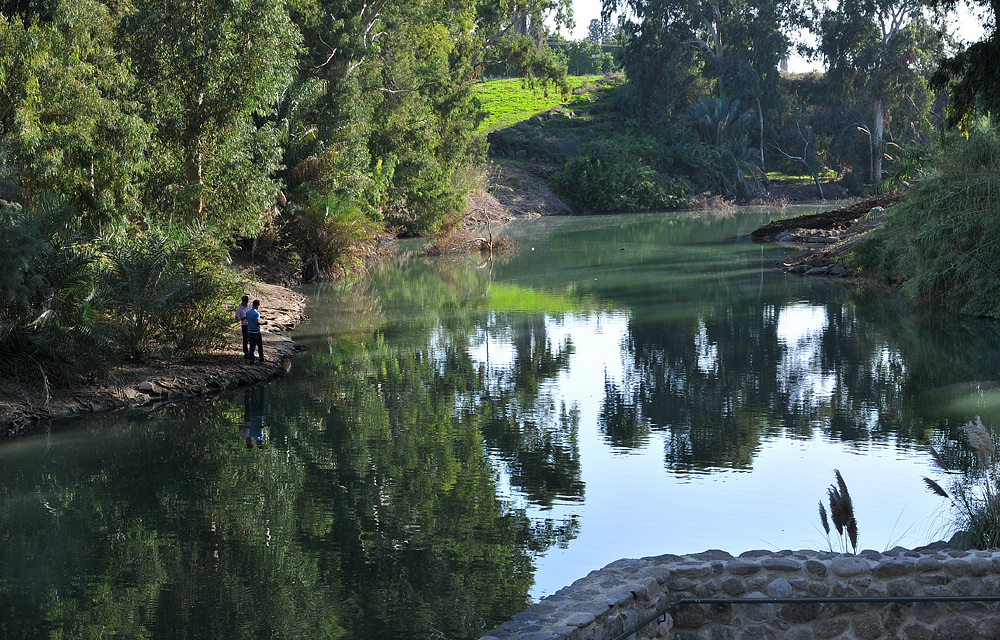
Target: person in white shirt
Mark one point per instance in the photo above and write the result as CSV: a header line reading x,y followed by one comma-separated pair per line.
x,y
241,315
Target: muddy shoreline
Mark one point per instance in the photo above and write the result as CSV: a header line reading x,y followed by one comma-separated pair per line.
x,y
154,383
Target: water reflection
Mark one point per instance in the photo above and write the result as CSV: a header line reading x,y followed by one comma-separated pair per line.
x,y
459,440
252,428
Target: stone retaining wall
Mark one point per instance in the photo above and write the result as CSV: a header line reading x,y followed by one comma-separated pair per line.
x,y
606,602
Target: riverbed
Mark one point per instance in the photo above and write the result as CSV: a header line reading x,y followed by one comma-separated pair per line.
x,y
465,436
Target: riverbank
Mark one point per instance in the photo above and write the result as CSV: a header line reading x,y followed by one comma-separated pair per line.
x,y
830,235
151,384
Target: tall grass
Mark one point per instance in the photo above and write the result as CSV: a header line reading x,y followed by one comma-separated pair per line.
x,y
841,514
977,505
942,241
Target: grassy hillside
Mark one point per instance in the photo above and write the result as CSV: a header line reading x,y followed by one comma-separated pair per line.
x,y
554,135
509,101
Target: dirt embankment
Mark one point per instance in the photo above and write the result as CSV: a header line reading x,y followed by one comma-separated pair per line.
x,y
516,190
830,234
151,384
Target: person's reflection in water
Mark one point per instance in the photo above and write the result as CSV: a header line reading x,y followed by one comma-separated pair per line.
x,y
253,427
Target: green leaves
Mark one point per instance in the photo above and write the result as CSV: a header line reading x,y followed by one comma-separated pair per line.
x,y
73,128
164,291
211,74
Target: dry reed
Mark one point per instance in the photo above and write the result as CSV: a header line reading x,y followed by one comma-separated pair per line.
x,y
841,513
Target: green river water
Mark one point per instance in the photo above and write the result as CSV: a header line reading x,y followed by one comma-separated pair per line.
x,y
463,438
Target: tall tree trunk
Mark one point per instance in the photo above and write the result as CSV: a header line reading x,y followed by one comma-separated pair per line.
x,y
879,125
760,122
195,157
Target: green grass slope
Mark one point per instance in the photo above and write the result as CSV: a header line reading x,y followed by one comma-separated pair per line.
x,y
510,101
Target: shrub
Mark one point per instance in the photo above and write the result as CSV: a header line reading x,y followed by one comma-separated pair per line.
x,y
624,174
977,505
47,310
165,291
332,233
942,241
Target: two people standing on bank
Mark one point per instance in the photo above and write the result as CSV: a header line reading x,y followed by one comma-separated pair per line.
x,y
249,317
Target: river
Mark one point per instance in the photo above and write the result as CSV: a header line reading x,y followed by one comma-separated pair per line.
x,y
463,437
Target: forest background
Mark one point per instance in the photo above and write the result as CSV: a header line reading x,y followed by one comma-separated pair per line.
x,y
143,143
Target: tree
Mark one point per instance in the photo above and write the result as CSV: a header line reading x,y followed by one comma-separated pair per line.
x,y
973,76
738,44
211,72
68,117
881,51
600,31
396,127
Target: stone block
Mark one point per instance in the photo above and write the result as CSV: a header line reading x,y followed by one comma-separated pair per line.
x,y
799,633
830,627
723,633
893,618
733,587
579,619
963,586
957,567
779,588
800,613
979,566
927,612
757,632
901,587
743,568
867,626
756,612
927,564
816,568
781,564
849,566
688,635
988,628
955,628
694,570
917,631
706,589
689,616
896,568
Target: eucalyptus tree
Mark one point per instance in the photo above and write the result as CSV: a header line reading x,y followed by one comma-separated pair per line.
x,y
737,45
396,127
731,37
210,73
882,52
67,119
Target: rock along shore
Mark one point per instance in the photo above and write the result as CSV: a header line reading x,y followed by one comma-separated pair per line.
x,y
151,383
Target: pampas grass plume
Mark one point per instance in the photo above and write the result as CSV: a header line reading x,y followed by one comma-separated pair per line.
x,y
980,440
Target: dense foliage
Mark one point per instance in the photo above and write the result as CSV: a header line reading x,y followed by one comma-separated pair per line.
x,y
627,173
942,242
704,64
